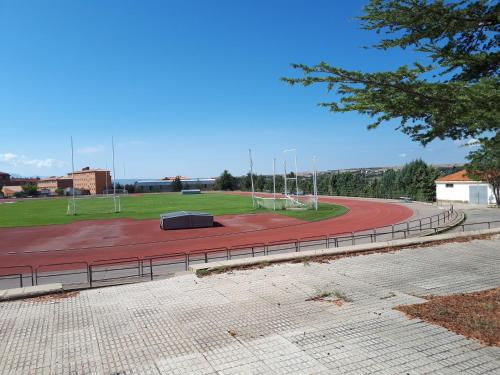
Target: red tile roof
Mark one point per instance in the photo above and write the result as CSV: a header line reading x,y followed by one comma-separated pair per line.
x,y
455,177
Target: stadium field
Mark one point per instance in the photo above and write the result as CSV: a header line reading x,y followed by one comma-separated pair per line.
x,y
33,212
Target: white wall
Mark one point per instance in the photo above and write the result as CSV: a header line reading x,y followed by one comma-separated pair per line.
x,y
459,192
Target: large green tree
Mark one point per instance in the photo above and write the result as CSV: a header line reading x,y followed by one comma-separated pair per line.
x,y
225,181
455,94
177,184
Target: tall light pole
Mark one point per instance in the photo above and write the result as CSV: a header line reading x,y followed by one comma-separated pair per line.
x,y
296,177
284,168
114,174
251,176
73,176
315,184
274,184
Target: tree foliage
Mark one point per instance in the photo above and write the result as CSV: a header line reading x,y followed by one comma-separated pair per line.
x,y
484,164
414,180
455,96
226,181
177,184
30,189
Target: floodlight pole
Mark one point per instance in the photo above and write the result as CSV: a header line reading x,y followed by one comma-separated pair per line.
x,y
73,175
114,174
315,185
296,178
284,165
251,176
274,184
106,179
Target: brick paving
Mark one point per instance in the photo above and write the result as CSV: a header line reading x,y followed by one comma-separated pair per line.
x,y
259,322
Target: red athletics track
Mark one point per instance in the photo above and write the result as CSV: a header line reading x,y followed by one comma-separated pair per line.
x,y
94,240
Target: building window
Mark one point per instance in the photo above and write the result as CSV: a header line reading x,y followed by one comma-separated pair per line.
x,y
449,185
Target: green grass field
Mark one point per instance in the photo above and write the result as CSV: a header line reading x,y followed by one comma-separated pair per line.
x,y
32,212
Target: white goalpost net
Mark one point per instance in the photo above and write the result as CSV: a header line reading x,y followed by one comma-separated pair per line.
x,y
114,191
303,202
94,205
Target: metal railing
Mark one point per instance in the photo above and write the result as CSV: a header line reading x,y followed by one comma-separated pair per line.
x,y
133,269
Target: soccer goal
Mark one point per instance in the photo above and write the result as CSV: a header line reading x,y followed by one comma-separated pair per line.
x,y
288,194
90,205
304,202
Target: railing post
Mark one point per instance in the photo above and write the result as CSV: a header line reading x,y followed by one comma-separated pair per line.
x,y
297,246
21,279
253,252
420,224
206,257
228,254
392,226
36,276
489,225
151,269
353,240
404,233
187,261
327,242
336,242
32,281
90,275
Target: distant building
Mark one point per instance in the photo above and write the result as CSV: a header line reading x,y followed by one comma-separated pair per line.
x,y
157,186
19,181
9,191
4,179
173,178
53,183
94,181
458,187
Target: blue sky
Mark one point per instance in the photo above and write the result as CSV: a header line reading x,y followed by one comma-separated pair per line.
x,y
186,87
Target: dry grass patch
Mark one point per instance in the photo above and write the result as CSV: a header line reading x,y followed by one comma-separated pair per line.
x,y
473,315
53,297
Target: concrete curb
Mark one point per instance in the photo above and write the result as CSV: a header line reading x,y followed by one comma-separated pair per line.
x,y
279,258
30,291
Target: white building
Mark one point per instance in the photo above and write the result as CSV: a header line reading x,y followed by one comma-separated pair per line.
x,y
458,187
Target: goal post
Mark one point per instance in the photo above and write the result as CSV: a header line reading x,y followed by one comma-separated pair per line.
x,y
91,205
293,197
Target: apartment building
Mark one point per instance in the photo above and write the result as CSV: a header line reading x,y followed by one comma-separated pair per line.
x,y
53,183
93,181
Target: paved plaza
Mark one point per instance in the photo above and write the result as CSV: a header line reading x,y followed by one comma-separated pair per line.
x,y
260,321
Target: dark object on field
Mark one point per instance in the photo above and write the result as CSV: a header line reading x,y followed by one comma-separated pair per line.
x,y
186,220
